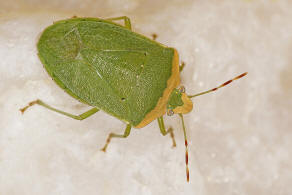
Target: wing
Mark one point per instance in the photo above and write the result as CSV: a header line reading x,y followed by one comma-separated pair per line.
x,y
106,66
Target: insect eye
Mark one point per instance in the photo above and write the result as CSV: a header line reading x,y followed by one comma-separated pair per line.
x,y
170,112
182,89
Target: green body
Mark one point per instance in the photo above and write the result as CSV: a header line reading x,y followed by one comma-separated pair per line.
x,y
107,66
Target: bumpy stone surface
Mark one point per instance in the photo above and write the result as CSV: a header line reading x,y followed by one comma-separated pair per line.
x,y
239,137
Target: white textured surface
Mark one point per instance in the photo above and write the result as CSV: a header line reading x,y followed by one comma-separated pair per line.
x,y
240,137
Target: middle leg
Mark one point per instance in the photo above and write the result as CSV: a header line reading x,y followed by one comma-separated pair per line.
x,y
113,135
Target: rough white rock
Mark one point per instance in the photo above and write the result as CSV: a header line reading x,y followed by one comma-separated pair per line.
x,y
240,137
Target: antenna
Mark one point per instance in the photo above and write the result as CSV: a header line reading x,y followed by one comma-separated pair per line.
x,y
186,144
222,85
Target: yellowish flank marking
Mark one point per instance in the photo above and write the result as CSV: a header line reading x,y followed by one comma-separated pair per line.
x,y
160,107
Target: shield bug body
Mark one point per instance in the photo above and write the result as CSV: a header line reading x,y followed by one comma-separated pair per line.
x,y
113,69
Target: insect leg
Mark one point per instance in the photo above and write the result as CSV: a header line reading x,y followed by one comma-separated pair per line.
x,y
164,132
77,117
181,67
154,36
113,135
127,21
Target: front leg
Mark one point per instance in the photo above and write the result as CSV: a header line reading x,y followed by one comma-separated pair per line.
x,y
181,67
164,131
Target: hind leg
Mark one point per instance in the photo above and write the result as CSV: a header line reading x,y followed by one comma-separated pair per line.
x,y
77,117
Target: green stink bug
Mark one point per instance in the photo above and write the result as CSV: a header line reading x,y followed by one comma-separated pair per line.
x,y
111,68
